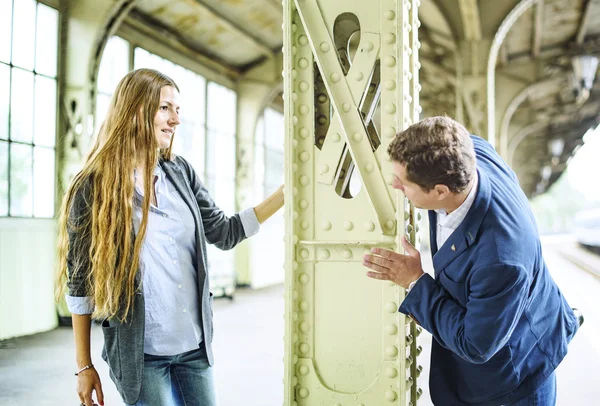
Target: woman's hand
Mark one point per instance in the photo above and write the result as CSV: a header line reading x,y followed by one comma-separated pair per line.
x,y
270,206
88,381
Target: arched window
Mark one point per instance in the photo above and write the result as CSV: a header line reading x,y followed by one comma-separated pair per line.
x,y
220,176
268,176
114,65
269,152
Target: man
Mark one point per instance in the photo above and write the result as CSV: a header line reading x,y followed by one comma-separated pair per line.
x,y
500,324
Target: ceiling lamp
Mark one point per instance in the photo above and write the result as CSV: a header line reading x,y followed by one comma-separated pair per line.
x,y
556,146
583,75
546,172
540,188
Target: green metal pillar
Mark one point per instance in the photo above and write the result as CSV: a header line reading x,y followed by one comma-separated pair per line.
x,y
351,83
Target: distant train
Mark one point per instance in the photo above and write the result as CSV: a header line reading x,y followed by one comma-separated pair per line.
x,y
587,229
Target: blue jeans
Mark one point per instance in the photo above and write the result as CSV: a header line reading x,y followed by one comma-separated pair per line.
x,y
178,380
545,395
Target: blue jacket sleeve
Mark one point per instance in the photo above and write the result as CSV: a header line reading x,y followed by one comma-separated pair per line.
x,y
497,296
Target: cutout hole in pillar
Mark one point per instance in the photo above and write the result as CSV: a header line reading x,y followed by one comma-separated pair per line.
x,y
346,34
347,179
370,106
352,47
355,185
323,113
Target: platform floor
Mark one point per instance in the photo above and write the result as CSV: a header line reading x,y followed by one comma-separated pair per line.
x,y
37,370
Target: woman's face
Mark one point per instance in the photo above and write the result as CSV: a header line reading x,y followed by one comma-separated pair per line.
x,y
167,116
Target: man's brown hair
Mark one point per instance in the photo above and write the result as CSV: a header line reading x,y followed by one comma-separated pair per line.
x,y
436,150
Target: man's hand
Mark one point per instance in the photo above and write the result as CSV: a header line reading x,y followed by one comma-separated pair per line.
x,y
391,266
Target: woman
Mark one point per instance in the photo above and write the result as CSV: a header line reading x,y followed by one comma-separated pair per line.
x,y
133,231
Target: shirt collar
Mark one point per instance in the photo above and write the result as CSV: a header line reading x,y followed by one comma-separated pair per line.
x,y
158,173
457,216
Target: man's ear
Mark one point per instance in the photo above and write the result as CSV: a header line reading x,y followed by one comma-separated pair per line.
x,y
441,191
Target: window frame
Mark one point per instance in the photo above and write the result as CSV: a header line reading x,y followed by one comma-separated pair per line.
x,y
265,148
9,139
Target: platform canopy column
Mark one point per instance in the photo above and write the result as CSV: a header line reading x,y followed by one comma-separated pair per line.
x,y
350,84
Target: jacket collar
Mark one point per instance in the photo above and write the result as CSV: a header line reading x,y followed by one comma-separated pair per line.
x,y
466,233
180,181
177,178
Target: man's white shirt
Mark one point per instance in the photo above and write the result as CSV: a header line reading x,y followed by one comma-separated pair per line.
x,y
447,223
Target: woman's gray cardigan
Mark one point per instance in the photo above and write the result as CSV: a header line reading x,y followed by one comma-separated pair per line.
x,y
124,342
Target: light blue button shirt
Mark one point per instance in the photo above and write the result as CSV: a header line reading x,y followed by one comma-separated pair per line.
x,y
170,278
169,275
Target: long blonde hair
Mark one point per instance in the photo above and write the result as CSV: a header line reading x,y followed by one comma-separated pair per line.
x,y
126,138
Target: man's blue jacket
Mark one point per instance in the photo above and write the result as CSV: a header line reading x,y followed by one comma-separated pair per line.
x,y
500,324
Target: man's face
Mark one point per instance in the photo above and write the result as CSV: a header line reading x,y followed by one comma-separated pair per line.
x,y
421,199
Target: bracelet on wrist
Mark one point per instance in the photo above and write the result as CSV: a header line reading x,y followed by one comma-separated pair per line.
x,y
84,368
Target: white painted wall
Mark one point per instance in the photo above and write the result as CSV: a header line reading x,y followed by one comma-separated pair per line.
x,y
27,269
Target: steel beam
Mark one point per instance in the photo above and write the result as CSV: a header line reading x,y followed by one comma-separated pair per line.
x,y
469,11
584,23
506,25
538,29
